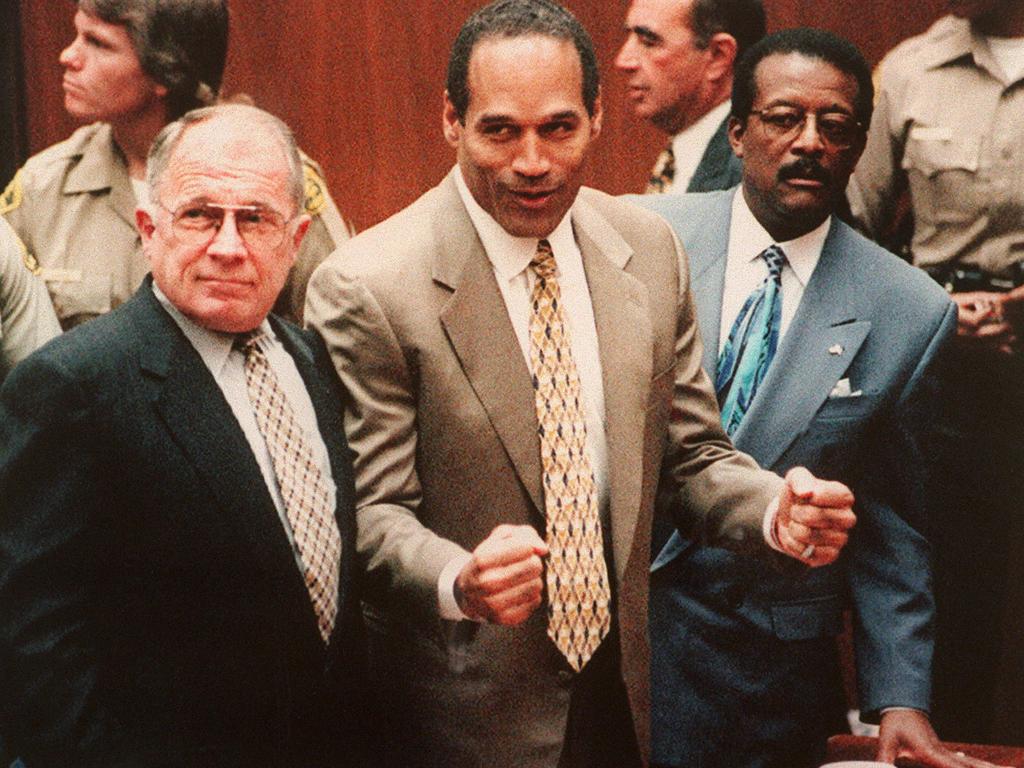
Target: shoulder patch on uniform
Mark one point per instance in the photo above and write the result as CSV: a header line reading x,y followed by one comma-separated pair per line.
x,y
316,188
30,261
11,197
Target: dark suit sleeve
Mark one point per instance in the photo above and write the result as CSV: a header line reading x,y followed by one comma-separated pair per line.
x,y
51,548
890,566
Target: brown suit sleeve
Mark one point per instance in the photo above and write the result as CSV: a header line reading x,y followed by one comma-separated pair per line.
x,y
402,556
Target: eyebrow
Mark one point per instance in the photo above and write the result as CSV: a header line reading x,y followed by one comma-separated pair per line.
x,y
500,119
645,32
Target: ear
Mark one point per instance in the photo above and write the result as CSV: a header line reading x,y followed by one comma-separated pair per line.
x,y
721,51
301,227
736,130
451,124
145,224
597,119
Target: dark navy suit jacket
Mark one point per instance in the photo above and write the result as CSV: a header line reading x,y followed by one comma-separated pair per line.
x,y
744,665
151,608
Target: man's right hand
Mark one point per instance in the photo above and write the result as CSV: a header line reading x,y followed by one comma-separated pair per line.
x,y
503,582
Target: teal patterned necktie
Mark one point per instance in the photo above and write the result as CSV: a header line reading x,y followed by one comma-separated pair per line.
x,y
751,345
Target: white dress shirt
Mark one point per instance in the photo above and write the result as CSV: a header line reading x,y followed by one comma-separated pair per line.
x,y
510,258
227,365
744,271
690,144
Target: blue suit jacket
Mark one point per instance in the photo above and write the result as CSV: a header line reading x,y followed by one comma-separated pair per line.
x,y
743,658
151,608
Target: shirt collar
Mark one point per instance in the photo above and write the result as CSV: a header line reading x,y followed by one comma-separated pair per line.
x,y
213,346
959,40
699,134
510,255
802,253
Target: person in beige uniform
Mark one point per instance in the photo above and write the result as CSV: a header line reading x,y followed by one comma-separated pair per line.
x,y
26,317
949,131
132,68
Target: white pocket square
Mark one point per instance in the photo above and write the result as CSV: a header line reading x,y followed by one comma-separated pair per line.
x,y
842,389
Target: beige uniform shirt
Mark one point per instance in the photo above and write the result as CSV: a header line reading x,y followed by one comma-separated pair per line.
x,y
73,206
948,126
26,317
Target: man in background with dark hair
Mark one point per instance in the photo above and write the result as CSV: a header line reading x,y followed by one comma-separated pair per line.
x,y
524,365
823,348
679,57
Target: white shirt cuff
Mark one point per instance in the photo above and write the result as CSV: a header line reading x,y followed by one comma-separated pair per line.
x,y
768,525
447,605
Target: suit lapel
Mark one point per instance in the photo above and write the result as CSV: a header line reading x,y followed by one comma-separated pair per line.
x,y
714,172
201,423
707,249
626,348
819,346
481,334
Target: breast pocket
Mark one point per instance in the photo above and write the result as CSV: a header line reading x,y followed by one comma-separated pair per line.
x,y
78,296
943,175
846,408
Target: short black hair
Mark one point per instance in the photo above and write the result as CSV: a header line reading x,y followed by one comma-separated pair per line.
x,y
814,44
743,19
181,45
519,18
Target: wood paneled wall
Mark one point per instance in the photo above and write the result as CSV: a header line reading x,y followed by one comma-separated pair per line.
x,y
361,82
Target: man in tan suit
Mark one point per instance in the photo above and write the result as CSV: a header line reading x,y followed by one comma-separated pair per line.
x,y
523,363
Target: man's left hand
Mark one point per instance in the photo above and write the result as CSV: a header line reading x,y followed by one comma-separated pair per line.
x,y
906,734
813,517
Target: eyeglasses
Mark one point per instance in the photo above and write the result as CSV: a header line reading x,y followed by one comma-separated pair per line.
x,y
838,129
196,224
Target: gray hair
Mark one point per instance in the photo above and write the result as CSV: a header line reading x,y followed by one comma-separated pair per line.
x,y
181,44
167,141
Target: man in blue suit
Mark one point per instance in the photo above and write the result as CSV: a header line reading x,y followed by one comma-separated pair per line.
x,y
830,364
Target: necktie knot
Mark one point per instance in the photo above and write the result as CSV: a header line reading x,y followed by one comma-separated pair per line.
x,y
246,342
543,261
664,172
775,258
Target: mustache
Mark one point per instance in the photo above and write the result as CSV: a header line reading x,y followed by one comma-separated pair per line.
x,y
805,168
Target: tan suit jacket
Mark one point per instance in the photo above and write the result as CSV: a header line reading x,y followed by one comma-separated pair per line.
x,y
442,421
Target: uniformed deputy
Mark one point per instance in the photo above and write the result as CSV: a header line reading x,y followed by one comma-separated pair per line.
x,y
949,131
26,317
134,66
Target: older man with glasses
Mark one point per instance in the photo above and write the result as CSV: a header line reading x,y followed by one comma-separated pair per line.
x,y
177,541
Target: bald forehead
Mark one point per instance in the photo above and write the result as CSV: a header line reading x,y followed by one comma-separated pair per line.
x,y
231,160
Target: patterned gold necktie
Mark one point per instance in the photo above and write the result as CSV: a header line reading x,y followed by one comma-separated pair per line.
x,y
663,173
577,576
305,492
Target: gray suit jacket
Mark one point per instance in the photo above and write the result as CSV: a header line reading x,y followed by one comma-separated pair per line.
x,y
443,424
719,624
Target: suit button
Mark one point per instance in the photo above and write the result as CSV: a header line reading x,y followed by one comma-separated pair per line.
x,y
565,677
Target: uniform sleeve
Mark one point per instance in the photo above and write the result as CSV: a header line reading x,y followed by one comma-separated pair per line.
x,y
327,231
27,319
879,180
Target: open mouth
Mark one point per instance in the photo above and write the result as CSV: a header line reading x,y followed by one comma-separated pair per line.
x,y
533,198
